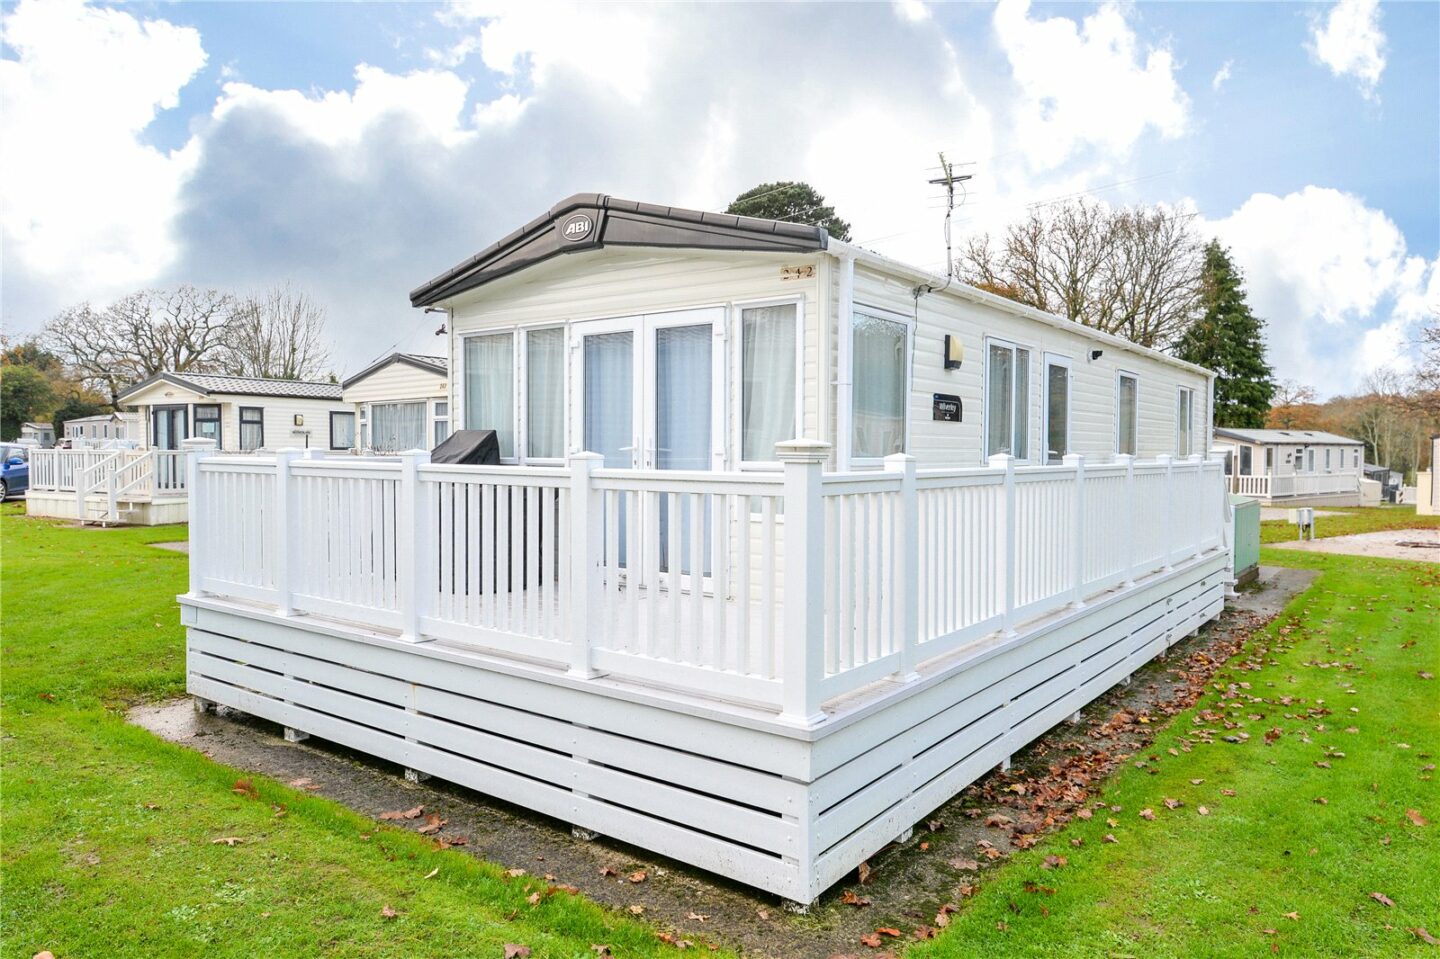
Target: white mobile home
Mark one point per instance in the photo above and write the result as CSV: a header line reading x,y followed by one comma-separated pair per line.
x,y
1293,467
791,542
147,486
37,434
402,402
102,428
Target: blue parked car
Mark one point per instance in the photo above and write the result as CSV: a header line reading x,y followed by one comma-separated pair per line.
x,y
14,470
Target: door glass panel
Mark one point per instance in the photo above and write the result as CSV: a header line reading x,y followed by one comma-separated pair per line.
x,y
1001,412
683,403
1057,412
609,408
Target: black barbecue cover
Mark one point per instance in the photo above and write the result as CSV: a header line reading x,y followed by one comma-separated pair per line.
x,y
468,448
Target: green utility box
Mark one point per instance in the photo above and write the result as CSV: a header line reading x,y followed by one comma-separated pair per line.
x,y
1246,538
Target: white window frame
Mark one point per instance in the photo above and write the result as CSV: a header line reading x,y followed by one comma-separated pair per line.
x,y
736,324
1119,376
462,403
1011,345
1048,360
1181,392
881,313
436,418
522,399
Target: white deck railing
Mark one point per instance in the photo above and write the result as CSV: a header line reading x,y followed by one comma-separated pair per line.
x,y
782,589
137,473
1266,486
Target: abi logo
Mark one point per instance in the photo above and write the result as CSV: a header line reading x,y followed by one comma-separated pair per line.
x,y
577,227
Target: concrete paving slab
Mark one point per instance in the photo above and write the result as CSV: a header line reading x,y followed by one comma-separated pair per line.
x,y
1414,544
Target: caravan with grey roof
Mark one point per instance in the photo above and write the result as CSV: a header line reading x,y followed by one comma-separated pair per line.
x,y
1293,467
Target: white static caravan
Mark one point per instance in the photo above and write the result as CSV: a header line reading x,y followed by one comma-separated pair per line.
x,y
41,435
147,485
1293,467
402,403
102,428
771,569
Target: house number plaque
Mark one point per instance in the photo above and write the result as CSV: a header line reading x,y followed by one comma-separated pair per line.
x,y
947,408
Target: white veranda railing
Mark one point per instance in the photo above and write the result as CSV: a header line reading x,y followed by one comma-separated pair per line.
x,y
781,589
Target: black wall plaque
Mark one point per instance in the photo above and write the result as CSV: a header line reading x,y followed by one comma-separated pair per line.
x,y
947,408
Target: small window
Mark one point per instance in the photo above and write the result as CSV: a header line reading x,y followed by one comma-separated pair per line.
x,y
1309,461
1007,410
1269,458
768,378
1127,415
545,394
1245,462
396,427
342,431
207,423
878,383
490,387
1057,409
1356,461
1327,459
440,415
1184,420
252,428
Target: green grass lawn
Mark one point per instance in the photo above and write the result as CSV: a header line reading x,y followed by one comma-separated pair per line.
x,y
1370,519
108,832
1297,833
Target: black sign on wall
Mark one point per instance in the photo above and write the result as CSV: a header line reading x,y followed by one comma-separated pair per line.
x,y
947,408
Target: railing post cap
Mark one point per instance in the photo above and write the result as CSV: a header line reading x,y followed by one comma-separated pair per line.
x,y
1165,458
417,455
197,443
1000,461
1073,459
802,451
587,457
1124,457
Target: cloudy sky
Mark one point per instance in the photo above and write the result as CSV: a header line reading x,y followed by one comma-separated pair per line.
x,y
359,149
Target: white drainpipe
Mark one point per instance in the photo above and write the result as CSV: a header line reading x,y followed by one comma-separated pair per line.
x,y
844,374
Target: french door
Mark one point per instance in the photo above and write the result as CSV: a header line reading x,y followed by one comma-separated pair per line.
x,y
648,397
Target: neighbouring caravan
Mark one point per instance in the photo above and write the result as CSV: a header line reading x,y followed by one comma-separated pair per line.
x,y
1293,467
402,403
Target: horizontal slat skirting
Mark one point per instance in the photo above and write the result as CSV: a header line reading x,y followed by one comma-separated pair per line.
x,y
705,851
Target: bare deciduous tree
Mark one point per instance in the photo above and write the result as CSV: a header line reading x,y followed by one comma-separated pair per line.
x,y
142,334
1131,272
278,334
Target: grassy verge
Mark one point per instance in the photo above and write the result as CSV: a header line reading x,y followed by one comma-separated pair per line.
x,y
1371,519
108,845
1306,813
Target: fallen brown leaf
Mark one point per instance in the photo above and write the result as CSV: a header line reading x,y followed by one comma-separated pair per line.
x,y
227,841
637,876
513,950
1109,838
388,912
871,940
396,814
1382,899
863,870
1414,816
698,917
1203,811
244,787
433,824
1054,862
1147,814
848,898
1419,933
967,864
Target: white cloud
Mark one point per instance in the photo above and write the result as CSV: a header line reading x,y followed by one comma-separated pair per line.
x,y
1350,42
85,202
431,102
912,11
1222,75
1334,281
1093,83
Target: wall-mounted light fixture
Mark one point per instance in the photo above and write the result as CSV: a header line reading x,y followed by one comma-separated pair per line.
x,y
1096,354
299,419
954,352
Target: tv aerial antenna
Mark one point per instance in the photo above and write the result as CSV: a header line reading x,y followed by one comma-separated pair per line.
x,y
948,180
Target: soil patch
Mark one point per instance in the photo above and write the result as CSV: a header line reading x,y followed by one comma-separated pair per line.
x,y
908,884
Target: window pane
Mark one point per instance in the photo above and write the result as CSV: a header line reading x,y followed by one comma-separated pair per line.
x,y
879,386
1126,413
767,399
1021,427
207,423
442,431
342,431
1183,443
545,388
1057,412
1000,400
489,388
1245,461
396,427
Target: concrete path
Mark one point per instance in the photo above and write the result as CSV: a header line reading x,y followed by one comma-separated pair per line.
x,y
1268,513
1416,544
909,881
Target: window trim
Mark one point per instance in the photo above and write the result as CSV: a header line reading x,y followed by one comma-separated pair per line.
x,y
1048,360
735,319
184,418
1013,346
354,429
1180,393
436,418
1119,376
880,313
240,425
